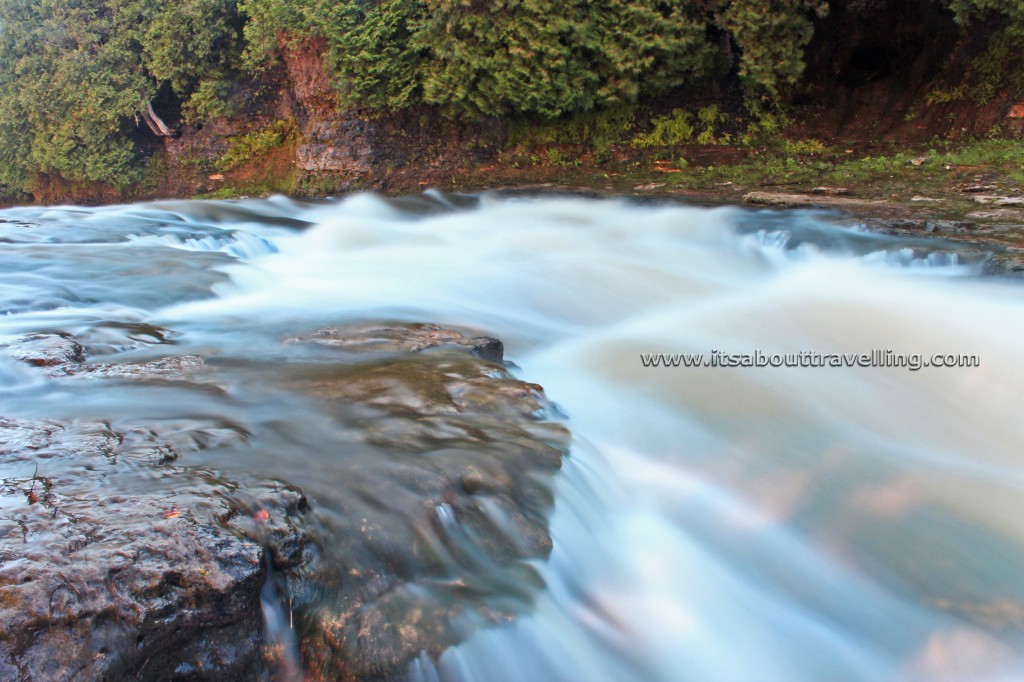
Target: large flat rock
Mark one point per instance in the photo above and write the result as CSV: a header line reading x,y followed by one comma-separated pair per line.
x,y
116,563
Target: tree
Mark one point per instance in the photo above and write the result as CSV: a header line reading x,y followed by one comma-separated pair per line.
x,y
76,76
771,36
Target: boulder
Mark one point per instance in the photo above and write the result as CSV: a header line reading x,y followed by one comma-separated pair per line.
x,y
114,563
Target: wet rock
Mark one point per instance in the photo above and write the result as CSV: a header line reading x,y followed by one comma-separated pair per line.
x,y
173,367
1008,264
909,227
999,200
996,214
786,200
402,338
46,349
137,565
114,564
61,355
975,188
445,510
111,337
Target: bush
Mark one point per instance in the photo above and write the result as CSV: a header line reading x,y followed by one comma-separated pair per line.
x,y
545,58
77,75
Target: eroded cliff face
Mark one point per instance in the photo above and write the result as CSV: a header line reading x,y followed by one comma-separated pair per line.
x,y
328,148
347,148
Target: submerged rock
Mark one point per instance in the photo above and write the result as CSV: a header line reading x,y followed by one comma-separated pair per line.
x,y
403,338
171,367
51,349
1007,264
62,355
458,485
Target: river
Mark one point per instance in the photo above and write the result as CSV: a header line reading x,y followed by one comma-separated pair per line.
x,y
711,523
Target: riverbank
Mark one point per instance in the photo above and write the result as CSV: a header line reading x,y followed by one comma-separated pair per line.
x,y
971,193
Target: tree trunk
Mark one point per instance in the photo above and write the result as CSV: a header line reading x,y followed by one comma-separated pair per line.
x,y
155,123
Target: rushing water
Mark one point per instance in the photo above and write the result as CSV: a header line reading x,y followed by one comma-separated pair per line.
x,y
710,524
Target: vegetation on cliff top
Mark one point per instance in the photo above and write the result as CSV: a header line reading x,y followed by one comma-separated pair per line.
x,y
85,83
78,77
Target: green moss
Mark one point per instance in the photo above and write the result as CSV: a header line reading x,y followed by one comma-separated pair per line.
x,y
243,149
322,185
798,147
595,129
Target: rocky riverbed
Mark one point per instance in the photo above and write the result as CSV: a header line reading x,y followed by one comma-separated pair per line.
x,y
120,557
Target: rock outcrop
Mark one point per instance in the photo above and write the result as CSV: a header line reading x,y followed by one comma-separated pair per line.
x,y
472,451
115,562
121,558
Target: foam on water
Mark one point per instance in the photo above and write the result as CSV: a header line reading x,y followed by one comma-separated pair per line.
x,y
711,524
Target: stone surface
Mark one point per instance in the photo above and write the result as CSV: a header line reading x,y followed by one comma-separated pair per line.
x,y
466,458
796,200
116,564
118,560
172,368
998,200
402,338
1005,264
45,349
61,355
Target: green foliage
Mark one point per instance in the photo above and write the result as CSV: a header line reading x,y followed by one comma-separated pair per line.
x,y
211,99
799,147
998,68
75,75
251,146
597,129
682,127
550,57
673,129
970,11
943,96
544,58
508,57
771,35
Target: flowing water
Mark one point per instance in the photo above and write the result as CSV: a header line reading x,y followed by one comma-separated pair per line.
x,y
732,524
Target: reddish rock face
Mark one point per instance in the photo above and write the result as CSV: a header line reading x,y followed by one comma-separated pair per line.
x,y
309,81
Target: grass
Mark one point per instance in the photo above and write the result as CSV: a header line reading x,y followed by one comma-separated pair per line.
x,y
809,163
